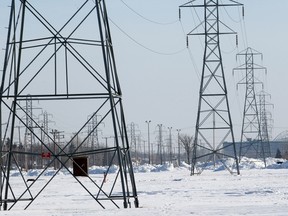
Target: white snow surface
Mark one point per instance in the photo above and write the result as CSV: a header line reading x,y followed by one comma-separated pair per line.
x,y
168,190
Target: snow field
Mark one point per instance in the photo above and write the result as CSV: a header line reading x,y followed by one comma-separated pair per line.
x,y
164,190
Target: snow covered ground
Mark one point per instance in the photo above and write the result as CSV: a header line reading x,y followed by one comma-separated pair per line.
x,y
165,190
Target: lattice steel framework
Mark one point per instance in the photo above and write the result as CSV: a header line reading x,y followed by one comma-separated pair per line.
x,y
28,137
251,137
93,141
214,125
265,120
60,53
44,123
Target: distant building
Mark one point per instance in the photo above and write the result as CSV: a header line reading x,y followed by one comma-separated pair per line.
x,y
281,144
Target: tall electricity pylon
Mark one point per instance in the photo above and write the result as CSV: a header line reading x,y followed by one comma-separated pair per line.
x,y
214,125
265,118
29,139
251,144
60,53
160,149
93,141
44,123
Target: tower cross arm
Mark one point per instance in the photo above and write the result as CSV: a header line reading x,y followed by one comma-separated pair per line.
x,y
232,3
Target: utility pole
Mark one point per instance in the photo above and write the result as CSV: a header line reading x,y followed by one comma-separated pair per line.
x,y
178,142
251,144
213,124
170,144
149,152
139,147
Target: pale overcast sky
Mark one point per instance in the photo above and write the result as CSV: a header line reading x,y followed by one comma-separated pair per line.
x,y
164,88
160,76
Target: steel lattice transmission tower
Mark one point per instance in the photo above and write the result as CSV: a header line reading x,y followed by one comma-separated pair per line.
x,y
251,144
214,125
29,138
60,53
44,123
93,131
265,119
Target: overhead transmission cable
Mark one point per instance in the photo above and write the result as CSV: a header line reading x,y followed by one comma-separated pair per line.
x,y
200,21
244,37
228,14
243,29
243,32
186,36
147,19
143,46
235,43
191,55
197,71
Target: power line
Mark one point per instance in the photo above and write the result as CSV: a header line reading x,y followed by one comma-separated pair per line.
x,y
143,46
243,29
228,14
147,19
